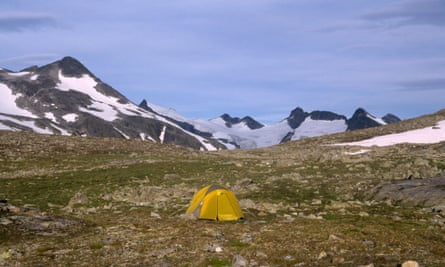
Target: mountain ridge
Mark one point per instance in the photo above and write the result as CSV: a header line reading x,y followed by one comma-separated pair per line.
x,y
65,97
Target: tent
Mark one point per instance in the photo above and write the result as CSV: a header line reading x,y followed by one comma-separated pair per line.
x,y
215,203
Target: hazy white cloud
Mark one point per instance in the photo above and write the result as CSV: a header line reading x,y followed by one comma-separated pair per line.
x,y
19,21
28,60
423,85
412,12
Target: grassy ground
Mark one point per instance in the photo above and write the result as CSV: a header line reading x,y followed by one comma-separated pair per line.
x,y
305,204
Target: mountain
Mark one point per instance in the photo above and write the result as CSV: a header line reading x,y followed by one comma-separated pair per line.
x,y
248,121
361,119
64,97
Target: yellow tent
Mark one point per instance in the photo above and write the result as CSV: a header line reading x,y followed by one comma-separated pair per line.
x,y
215,203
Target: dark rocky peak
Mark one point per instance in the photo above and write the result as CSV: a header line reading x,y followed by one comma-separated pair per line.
x,y
144,105
227,118
252,123
359,112
69,66
72,67
390,118
326,116
361,119
296,117
230,120
249,121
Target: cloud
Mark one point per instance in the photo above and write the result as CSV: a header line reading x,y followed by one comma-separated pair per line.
x,y
424,85
413,12
16,22
29,60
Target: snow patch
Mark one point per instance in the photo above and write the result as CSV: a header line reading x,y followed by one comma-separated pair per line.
x,y
85,84
8,103
26,123
361,151
101,110
145,137
122,133
105,107
70,117
50,116
428,135
34,77
378,120
162,135
18,74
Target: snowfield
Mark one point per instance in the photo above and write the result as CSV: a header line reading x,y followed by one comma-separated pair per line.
x,y
8,104
428,135
246,138
312,128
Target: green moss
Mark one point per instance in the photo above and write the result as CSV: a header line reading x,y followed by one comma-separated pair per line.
x,y
216,262
96,246
238,244
43,249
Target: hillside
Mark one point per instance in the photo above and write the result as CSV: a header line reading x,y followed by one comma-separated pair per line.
x,y
82,201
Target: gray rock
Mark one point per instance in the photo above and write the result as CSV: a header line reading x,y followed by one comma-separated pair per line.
x,y
5,221
439,209
247,204
155,215
427,192
79,198
239,261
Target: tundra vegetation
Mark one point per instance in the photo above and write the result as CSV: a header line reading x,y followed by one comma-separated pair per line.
x,y
77,201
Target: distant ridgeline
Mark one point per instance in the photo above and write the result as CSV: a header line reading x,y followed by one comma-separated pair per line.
x,y
64,97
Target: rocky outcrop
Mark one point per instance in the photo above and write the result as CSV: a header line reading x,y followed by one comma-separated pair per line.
x,y
390,118
249,121
428,192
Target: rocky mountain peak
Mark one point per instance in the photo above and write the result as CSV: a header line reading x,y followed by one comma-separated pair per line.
x,y
390,118
72,67
296,117
361,119
326,116
252,123
144,105
249,121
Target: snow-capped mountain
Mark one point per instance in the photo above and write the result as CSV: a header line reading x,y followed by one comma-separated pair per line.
x,y
234,132
64,97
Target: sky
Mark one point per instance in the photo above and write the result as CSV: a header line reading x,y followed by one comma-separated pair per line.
x,y
261,58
